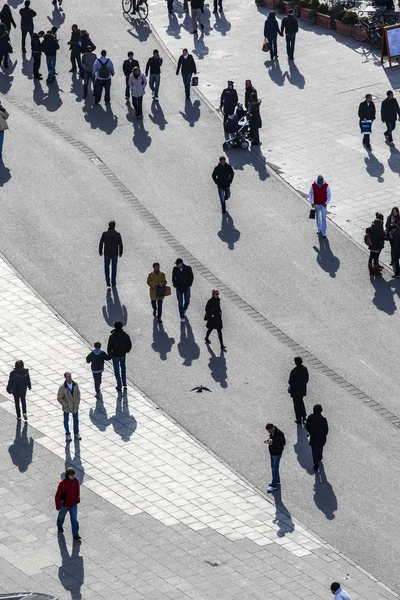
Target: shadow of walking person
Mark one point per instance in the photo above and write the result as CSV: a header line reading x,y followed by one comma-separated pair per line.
x,y
100,118
374,168
221,24
303,450
21,451
141,138
71,573
75,462
187,347
123,423
384,295
394,160
325,257
324,496
158,115
161,342
112,310
275,72
192,112
174,27
294,76
283,518
98,416
228,233
217,366
57,17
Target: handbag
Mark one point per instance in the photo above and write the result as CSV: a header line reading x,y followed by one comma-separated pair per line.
x,y
366,127
265,47
162,291
312,214
195,80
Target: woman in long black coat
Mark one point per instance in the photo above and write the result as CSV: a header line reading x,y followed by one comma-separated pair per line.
x,y
213,317
7,18
5,46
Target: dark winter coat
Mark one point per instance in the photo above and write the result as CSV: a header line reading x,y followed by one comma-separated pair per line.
x,y
390,110
85,41
74,39
27,16
182,280
36,44
119,343
112,242
18,382
248,92
396,244
271,28
213,314
197,3
97,358
289,24
367,111
317,427
154,65
229,99
298,380
50,45
5,46
254,115
278,442
6,17
186,64
68,493
392,221
129,65
377,236
223,175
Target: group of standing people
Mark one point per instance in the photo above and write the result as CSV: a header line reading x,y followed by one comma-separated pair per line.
x,y
233,111
376,235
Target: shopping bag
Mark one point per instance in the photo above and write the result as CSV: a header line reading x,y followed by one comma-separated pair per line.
x,y
265,47
366,127
195,80
312,214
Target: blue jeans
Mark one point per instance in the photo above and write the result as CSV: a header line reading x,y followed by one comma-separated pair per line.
x,y
51,67
99,85
224,195
183,301
320,217
390,126
76,423
87,76
119,364
1,142
154,83
114,261
275,460
187,78
73,514
290,40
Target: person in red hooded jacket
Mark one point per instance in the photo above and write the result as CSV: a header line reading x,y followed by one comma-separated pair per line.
x,y
67,499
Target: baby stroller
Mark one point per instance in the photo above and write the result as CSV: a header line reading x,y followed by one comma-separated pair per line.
x,y
238,130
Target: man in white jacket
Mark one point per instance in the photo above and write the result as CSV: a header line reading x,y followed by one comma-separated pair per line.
x,y
137,85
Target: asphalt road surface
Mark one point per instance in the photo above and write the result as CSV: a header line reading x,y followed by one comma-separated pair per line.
x,y
55,202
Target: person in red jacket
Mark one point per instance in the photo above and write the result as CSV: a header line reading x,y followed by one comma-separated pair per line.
x,y
319,197
67,499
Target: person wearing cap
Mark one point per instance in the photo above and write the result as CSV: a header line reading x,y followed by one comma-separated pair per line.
x,y
137,86
319,197
228,102
182,280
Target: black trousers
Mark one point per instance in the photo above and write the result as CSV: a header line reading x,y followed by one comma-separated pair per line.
x,y
216,2
317,454
37,59
374,258
17,399
219,335
127,90
97,381
5,58
170,5
24,34
137,105
76,58
299,408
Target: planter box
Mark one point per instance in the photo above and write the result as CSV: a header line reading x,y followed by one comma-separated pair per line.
x,y
304,12
343,27
269,3
324,20
288,6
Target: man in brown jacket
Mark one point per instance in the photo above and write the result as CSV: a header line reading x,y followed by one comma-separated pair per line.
x,y
69,397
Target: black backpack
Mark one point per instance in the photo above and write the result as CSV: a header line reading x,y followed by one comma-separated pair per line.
x,y
103,72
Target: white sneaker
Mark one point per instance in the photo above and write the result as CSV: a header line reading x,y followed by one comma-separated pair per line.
x,y
271,489
156,98
68,438
270,484
182,320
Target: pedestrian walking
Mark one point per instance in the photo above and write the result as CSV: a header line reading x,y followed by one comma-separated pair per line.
x,y
37,54
96,358
317,427
392,220
137,86
128,65
18,384
5,46
3,126
67,499
218,3
213,317
395,249
182,280
228,101
197,6
119,344
290,27
276,444
69,396
154,67
254,120
375,240
338,592
85,41
271,32
75,55
319,197
27,15
87,63
389,112
103,70
50,46
157,283
111,245
298,380
223,175
7,18
366,112
249,90
187,66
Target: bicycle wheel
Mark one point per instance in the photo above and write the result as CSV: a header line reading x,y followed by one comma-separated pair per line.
x,y
126,6
359,33
376,39
142,9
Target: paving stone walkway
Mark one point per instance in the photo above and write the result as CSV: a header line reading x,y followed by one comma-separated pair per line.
x,y
160,516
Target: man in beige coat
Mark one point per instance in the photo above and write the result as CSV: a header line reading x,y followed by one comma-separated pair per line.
x,y
69,397
3,126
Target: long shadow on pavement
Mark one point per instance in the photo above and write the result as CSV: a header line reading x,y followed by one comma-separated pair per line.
x,y
57,17
238,158
161,342
283,518
139,29
394,160
228,234
384,295
275,72
7,78
98,415
100,118
5,174
174,27
294,76
187,347
303,451
325,257
71,573
113,310
217,366
324,496
221,24
374,167
191,114
74,462
50,98
158,117
21,451
200,49
123,422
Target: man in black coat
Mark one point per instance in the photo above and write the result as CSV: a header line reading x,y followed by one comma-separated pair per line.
x,y
18,383
119,344
389,112
37,54
223,175
50,46
298,380
128,65
182,279
229,99
290,27
111,241
249,91
187,66
276,444
317,427
367,112
27,26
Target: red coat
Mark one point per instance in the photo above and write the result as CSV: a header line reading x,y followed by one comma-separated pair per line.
x,y
71,496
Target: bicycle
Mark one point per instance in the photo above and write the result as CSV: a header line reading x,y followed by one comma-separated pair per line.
x,y
139,7
367,29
